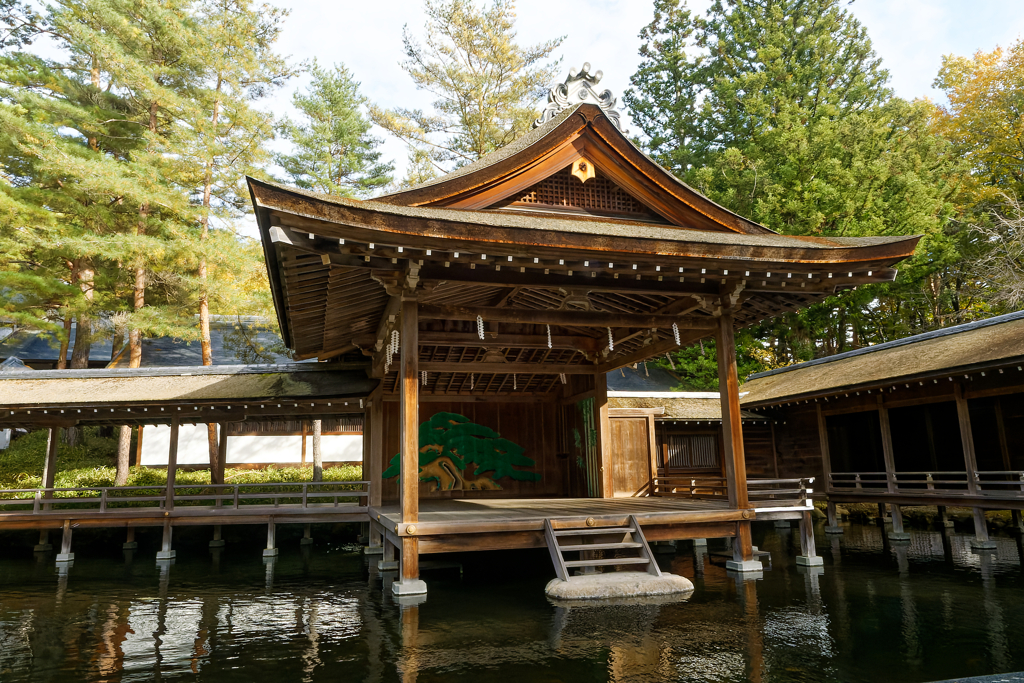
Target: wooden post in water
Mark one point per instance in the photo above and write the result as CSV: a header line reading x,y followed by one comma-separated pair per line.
x,y
897,533
373,464
65,554
732,441
271,549
166,551
409,582
130,542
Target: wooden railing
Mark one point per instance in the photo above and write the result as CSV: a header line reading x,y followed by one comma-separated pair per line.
x,y
103,499
761,492
1006,483
780,493
689,487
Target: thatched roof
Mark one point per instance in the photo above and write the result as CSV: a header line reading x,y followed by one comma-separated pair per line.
x,y
695,406
112,395
979,345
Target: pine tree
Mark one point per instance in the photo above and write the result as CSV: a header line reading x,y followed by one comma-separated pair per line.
x,y
334,152
486,84
229,134
780,111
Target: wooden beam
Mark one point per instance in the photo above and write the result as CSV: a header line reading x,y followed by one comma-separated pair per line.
x,y
497,340
509,368
658,348
563,318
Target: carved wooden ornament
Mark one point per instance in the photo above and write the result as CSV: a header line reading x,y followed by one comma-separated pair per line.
x,y
583,169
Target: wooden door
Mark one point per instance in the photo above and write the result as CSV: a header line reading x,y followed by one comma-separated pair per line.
x,y
630,444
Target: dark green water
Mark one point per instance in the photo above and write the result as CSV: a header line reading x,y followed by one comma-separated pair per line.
x,y
931,610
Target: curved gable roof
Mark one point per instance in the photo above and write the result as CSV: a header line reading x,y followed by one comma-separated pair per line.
x,y
583,130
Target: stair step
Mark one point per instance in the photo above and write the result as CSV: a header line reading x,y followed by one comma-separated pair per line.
x,y
586,531
600,546
606,562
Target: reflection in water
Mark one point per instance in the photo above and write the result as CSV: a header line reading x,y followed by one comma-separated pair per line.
x,y
918,611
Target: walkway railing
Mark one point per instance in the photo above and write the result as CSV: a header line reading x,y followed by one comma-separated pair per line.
x,y
761,492
103,499
996,483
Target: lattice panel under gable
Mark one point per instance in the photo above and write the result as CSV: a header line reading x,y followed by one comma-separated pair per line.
x,y
598,195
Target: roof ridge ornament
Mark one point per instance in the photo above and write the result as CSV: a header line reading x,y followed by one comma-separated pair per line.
x,y
579,88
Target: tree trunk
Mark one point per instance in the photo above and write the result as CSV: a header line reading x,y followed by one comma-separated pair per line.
x,y
204,299
318,456
62,359
84,274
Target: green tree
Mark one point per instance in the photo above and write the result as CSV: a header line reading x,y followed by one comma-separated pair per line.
x,y
485,83
228,132
334,152
780,111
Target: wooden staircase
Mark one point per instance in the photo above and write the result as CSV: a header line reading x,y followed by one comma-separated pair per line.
x,y
596,546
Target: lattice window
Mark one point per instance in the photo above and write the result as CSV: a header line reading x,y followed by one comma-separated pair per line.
x,y
691,452
599,195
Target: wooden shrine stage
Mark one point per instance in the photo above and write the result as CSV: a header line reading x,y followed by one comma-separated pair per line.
x,y
464,524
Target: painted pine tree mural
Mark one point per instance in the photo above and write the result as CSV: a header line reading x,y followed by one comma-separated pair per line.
x,y
451,446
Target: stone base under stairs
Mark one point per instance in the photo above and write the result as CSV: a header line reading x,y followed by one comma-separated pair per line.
x,y
617,585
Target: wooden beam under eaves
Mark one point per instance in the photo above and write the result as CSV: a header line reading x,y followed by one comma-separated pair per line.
x,y
565,318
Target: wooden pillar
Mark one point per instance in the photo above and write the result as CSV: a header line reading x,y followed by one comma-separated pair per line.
x,y
652,448
318,453
732,428
307,535
963,414
602,424
138,446
732,441
887,451
409,477
808,553
981,538
897,533
172,465
826,456
166,550
65,554
130,543
217,473
271,549
50,465
376,415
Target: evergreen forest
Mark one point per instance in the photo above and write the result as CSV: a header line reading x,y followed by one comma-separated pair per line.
x,y
127,129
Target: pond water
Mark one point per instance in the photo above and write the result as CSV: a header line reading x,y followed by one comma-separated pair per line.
x,y
925,611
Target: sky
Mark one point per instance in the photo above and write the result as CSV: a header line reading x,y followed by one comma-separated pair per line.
x,y
910,36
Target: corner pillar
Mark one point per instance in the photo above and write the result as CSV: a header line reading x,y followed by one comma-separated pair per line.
x,y
732,442
808,556
409,582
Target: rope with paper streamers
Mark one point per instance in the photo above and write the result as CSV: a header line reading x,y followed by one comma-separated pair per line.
x,y
611,340
480,326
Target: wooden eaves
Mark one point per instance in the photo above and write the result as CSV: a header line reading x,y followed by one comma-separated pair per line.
x,y
559,292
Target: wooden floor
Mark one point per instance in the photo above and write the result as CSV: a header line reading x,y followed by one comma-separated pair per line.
x,y
462,515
